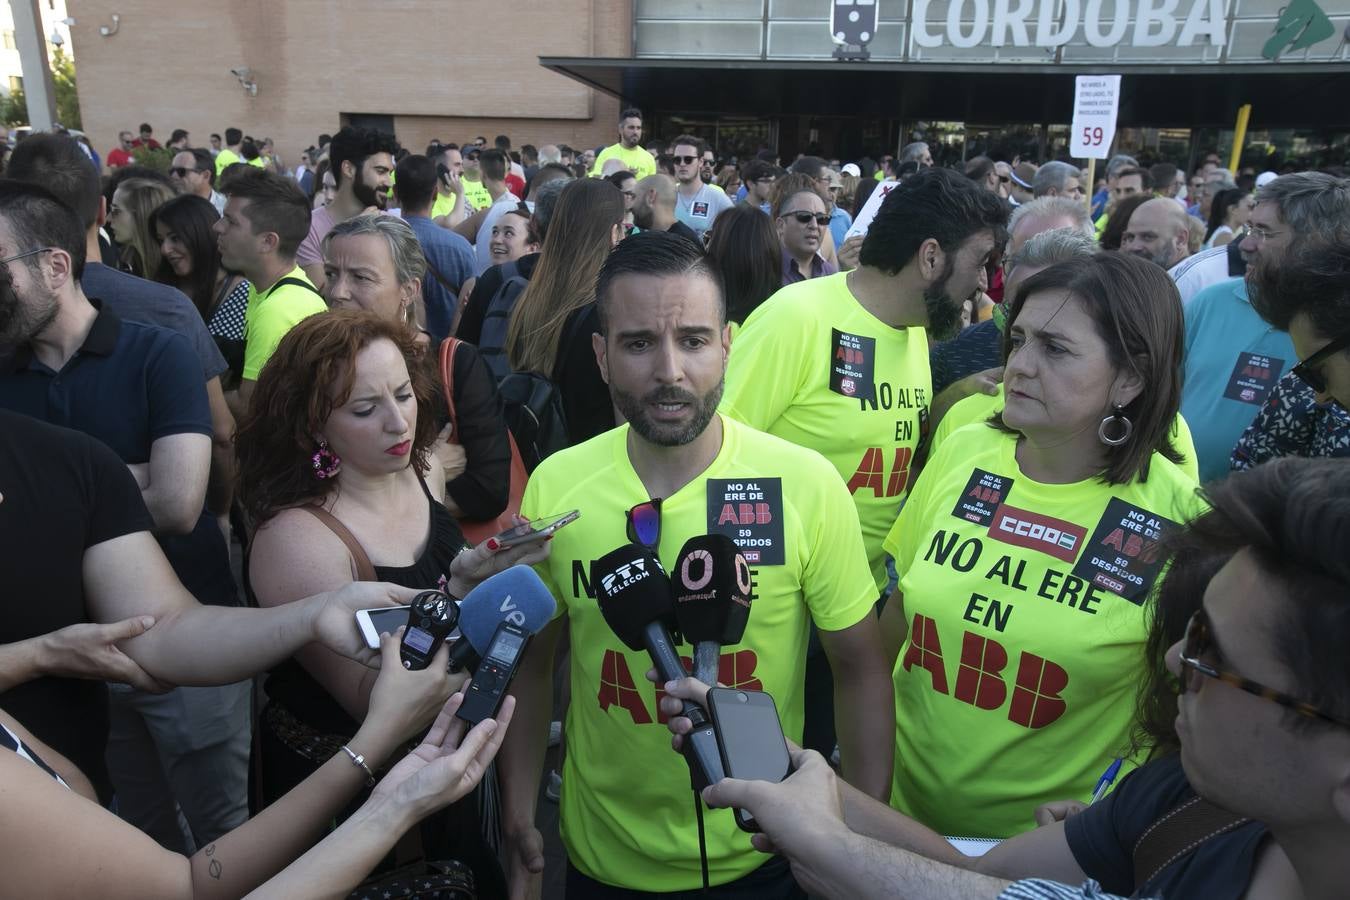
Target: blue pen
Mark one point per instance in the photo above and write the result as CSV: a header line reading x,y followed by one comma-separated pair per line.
x,y
1108,778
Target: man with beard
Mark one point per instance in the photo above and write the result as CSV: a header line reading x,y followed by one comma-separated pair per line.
x,y
628,150
839,364
679,469
1233,356
654,207
697,204
362,162
1158,231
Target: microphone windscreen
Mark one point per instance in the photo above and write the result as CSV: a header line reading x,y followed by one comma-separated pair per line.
x,y
633,591
515,595
711,590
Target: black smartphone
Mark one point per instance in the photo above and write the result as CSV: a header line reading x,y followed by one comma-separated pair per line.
x,y
750,737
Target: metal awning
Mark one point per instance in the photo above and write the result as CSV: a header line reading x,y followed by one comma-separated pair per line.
x,y
1183,96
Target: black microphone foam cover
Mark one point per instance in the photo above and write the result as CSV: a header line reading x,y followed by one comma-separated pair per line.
x,y
711,589
633,591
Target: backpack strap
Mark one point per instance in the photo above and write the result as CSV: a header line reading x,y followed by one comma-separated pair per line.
x,y
1178,832
364,570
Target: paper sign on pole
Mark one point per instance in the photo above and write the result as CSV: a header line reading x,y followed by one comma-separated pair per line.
x,y
1096,100
869,210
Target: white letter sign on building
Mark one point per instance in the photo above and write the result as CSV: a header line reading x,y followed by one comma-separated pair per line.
x,y
1096,99
1025,23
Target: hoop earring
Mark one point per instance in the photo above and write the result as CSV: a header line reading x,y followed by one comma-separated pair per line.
x,y
1116,419
327,464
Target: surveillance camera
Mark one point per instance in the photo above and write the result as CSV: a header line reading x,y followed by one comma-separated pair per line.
x,y
242,72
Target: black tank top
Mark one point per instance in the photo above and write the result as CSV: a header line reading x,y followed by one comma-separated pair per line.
x,y
297,690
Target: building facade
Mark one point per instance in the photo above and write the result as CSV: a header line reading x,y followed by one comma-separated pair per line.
x,y
839,77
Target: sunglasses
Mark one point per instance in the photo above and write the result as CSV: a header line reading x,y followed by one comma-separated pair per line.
x,y
1309,371
806,218
181,172
472,154
1198,642
644,523
686,160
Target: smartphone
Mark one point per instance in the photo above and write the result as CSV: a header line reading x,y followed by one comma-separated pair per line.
x,y
536,530
750,737
375,622
385,620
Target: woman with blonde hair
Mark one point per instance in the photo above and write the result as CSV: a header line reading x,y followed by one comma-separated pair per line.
x,y
552,322
129,220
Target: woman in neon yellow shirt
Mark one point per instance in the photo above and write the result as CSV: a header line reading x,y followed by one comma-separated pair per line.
x,y
1027,552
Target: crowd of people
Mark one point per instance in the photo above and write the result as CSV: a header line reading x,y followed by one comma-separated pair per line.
x,y
1040,484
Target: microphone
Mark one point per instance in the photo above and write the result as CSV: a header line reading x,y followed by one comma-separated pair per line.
x,y
515,595
712,599
635,599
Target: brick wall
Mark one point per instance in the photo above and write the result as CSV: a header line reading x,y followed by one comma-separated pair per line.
x,y
442,68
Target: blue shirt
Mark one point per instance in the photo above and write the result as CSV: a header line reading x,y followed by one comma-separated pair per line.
x,y
449,255
129,385
138,300
976,348
1233,360
840,221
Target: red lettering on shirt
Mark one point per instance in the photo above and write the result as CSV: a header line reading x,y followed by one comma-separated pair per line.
x,y
977,678
617,688
745,514
1036,696
872,470
925,650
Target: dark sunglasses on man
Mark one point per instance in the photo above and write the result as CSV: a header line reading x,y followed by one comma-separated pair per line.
x,y
1310,370
803,217
181,172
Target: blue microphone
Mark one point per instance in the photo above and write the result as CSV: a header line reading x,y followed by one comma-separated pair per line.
x,y
516,596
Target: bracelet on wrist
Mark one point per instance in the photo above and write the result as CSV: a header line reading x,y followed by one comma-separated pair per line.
x,y
360,761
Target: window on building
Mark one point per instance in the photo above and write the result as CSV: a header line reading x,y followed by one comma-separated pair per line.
x,y
7,37
15,83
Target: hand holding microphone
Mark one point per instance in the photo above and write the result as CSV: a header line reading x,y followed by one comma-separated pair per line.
x,y
635,598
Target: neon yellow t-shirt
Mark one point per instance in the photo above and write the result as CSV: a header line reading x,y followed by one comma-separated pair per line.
x,y
1026,609
813,367
271,314
979,407
638,160
627,813
476,195
225,158
443,205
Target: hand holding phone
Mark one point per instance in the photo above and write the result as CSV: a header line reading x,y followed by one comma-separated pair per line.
x,y
750,737
531,532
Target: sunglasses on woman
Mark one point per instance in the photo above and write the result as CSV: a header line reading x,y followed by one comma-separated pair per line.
x,y
1199,643
1310,372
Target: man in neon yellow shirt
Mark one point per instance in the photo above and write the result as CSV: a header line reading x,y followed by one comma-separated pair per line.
x,y
266,217
626,816
476,192
839,364
628,150
450,207
229,155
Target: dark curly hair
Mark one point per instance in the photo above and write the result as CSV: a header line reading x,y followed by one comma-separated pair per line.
x,y
309,376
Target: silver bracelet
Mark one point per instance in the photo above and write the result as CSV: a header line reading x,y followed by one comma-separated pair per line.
x,y
359,760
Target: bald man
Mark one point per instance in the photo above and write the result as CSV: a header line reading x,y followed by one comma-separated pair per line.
x,y
654,207
1159,231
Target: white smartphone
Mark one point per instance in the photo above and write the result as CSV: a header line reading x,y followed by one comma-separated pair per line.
x,y
384,620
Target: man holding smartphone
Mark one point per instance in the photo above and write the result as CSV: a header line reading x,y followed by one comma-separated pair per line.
x,y
677,470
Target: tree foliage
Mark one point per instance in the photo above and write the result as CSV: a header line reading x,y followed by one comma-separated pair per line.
x,y
14,108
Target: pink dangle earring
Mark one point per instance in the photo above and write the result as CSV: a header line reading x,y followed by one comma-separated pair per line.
x,y
326,463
